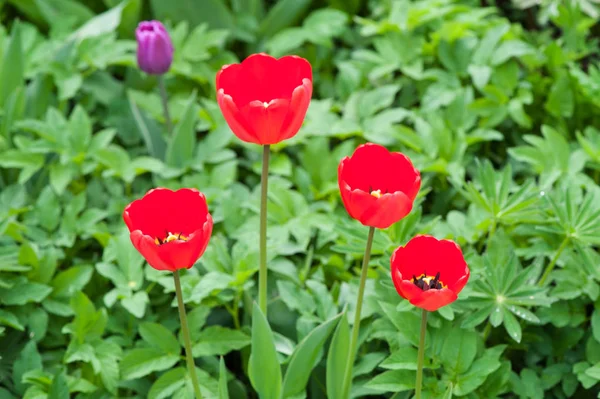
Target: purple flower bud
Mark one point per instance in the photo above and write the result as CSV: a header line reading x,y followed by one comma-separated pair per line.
x,y
155,49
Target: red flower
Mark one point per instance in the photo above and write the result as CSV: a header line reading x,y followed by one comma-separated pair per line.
x,y
170,229
429,272
264,99
378,187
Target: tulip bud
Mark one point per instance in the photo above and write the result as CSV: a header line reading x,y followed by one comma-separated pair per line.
x,y
155,49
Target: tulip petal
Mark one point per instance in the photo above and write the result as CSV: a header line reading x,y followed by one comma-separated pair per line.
x,y
432,300
235,120
267,119
297,110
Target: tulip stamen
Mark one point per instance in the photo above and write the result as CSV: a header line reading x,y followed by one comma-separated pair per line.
x,y
376,193
427,282
170,237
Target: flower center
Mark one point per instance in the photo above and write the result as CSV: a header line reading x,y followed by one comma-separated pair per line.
x,y
170,237
426,282
376,193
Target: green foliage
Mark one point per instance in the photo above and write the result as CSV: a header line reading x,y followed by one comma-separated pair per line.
x,y
497,106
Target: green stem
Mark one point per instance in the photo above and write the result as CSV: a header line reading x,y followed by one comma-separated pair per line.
x,y
186,336
421,356
487,330
552,263
356,326
262,272
309,258
165,103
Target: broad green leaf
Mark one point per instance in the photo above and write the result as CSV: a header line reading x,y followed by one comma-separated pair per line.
x,y
393,381
459,350
59,388
180,149
217,340
160,337
143,361
13,65
282,15
23,292
337,358
168,383
263,367
305,357
29,359
103,23
70,281
9,319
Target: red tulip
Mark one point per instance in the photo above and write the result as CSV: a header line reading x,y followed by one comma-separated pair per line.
x,y
429,272
264,99
171,229
378,187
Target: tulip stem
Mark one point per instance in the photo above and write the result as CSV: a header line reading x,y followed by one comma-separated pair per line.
x,y
421,355
186,336
356,326
165,103
262,272
553,261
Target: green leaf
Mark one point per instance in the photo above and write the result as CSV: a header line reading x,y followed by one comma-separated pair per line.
x,y
223,390
305,357
143,361
337,358
151,134
296,298
103,23
136,303
9,319
213,12
29,359
13,65
109,354
160,337
459,350
24,292
263,367
180,150
59,388
512,326
596,324
168,383
404,358
60,176
70,281
393,381
217,340
283,14
80,129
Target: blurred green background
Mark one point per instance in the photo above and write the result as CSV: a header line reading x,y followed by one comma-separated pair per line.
x,y
496,102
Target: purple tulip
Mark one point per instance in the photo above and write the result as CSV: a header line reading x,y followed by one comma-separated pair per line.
x,y
155,49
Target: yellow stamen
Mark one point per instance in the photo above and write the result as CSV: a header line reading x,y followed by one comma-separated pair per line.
x,y
426,280
376,193
170,237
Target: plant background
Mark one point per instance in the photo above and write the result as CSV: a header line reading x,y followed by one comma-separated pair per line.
x,y
496,102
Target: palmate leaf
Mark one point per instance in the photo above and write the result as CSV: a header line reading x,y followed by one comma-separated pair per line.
x,y
502,200
504,290
576,214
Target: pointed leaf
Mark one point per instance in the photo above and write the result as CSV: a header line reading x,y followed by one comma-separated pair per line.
x,y
263,367
223,391
180,150
337,358
305,357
